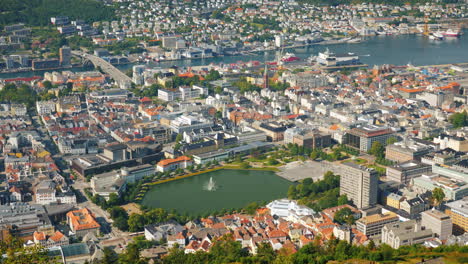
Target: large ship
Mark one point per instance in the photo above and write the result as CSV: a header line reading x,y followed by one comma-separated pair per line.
x,y
328,58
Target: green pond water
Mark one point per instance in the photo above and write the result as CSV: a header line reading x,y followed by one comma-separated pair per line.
x,y
232,189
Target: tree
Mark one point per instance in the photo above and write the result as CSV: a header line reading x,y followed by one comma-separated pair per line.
x,y
131,255
121,223
47,85
179,137
265,253
438,196
459,119
377,149
136,222
292,192
226,250
15,252
114,199
391,140
213,75
343,199
314,155
336,155
176,256
245,165
343,216
272,161
251,208
110,257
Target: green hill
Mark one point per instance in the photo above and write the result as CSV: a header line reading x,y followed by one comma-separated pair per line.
x,y
38,12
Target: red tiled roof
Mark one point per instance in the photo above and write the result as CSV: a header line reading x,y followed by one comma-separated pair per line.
x,y
167,162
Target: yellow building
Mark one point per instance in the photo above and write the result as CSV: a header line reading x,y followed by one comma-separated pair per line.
x,y
458,211
393,200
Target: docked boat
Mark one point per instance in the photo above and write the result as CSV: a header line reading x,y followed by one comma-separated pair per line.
x,y
289,57
328,58
436,36
451,33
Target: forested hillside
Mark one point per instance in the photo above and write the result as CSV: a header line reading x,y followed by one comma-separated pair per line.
x,y
38,12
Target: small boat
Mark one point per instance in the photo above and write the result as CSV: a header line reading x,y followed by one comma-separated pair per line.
x,y
436,36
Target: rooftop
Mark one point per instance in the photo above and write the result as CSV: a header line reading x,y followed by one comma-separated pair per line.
x,y
460,206
378,218
82,219
436,214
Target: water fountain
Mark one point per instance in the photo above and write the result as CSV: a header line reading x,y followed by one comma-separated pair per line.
x,y
211,185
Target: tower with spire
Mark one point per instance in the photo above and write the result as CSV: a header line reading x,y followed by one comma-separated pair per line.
x,y
265,77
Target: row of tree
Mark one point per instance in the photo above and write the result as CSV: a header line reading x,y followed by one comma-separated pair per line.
x,y
226,250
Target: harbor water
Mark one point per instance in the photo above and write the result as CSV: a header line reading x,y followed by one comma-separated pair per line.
x,y
375,50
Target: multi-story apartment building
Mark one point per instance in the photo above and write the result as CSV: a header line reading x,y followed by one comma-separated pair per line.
x,y
372,225
359,183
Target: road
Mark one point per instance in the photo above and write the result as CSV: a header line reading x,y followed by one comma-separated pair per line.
x,y
121,78
101,215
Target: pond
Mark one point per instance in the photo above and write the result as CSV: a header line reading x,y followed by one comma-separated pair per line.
x,y
217,190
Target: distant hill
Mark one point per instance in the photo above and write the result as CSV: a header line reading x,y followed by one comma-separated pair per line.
x,y
38,12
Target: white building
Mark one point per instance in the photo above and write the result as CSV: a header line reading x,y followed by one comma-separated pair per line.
x,y
45,107
181,162
289,209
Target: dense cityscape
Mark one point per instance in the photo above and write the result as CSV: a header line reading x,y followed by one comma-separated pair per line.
x,y
222,131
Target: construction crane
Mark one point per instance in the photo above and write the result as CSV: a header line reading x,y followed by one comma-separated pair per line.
x,y
426,26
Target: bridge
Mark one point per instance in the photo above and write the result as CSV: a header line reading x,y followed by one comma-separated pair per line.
x,y
119,77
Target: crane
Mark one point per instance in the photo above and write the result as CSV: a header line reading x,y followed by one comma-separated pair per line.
x,y
426,26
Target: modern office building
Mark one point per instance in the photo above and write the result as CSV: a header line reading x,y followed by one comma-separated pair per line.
x,y
359,183
363,137
438,222
406,151
404,172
